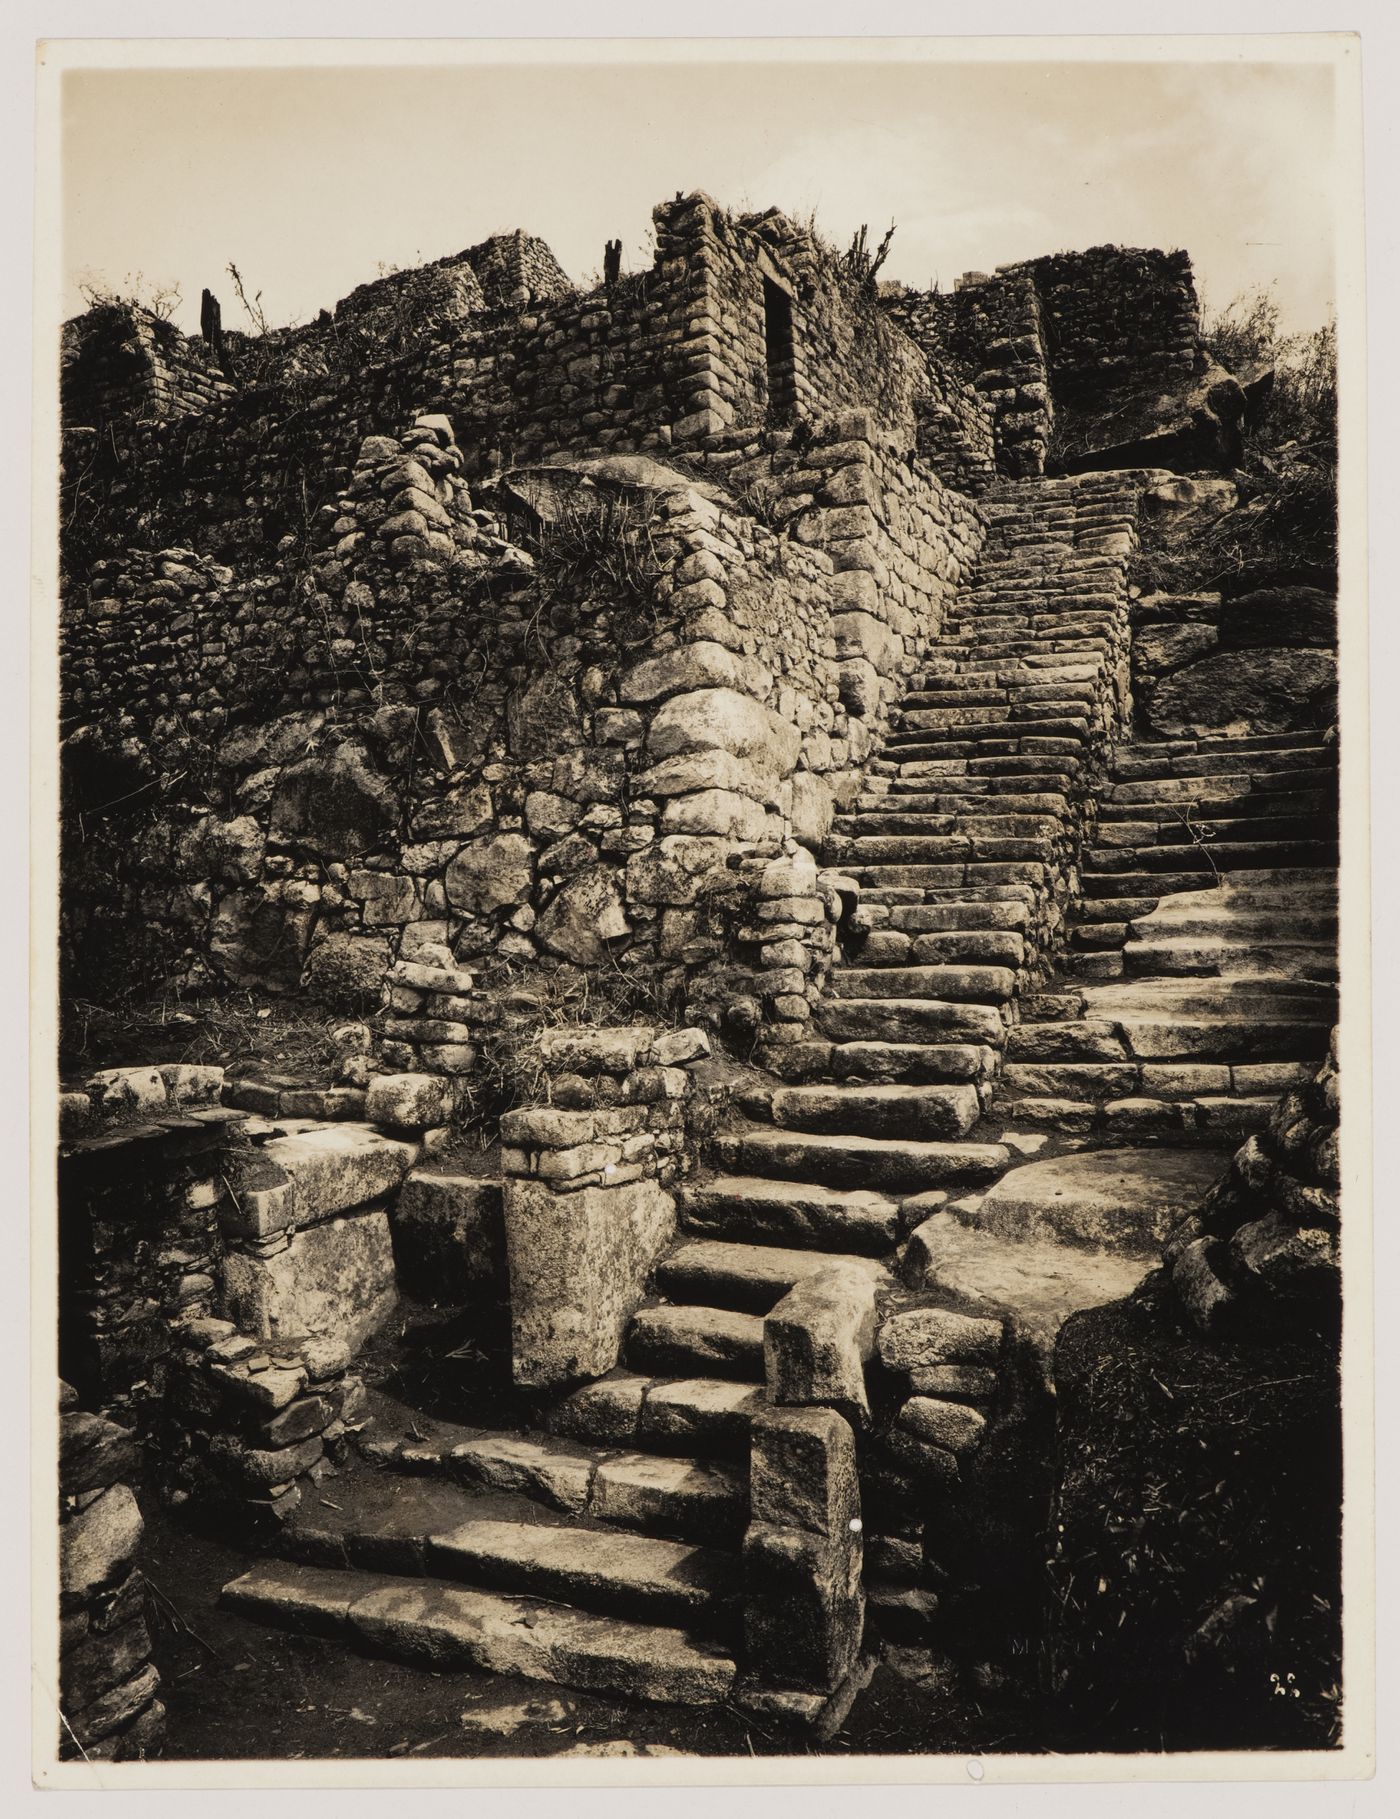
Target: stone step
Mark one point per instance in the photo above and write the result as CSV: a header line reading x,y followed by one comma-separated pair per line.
x,y
953,880
852,851
1223,742
1199,915
1218,830
1089,912
1090,966
1140,1118
906,798
1226,855
690,1341
869,1111
794,1213
961,727
1217,806
598,1569
1130,765
1249,1037
947,984
950,947
1197,955
443,1627
914,1021
962,892
913,1063
959,916
974,830
1212,998
1011,748
843,1161
686,1498
1126,796
1005,767
699,1416
981,695
1123,1200
383,1523
752,1278
1095,1081
1159,884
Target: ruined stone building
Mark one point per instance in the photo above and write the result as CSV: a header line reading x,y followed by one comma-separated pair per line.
x,y
787,918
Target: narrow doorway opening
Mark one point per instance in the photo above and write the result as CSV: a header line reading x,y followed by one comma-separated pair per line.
x,y
778,347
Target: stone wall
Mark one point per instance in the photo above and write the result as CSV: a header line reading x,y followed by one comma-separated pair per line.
x,y
430,750
1262,1255
141,1188
108,1708
668,356
994,328
119,361
1088,359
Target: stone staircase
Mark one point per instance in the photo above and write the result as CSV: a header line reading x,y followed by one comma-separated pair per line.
x,y
594,1538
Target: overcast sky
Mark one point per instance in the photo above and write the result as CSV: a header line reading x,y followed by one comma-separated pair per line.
x,y
309,179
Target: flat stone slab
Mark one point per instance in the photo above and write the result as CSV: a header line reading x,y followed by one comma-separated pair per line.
x,y
637,1575
1119,1200
1037,1282
430,1624
751,1277
685,1340
315,1172
791,1213
878,1111
859,1161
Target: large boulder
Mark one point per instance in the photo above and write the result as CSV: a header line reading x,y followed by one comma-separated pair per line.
x,y
491,874
347,971
1269,690
1280,615
583,917
720,719
334,803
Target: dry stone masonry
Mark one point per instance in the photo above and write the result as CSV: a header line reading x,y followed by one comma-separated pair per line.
x,y
791,925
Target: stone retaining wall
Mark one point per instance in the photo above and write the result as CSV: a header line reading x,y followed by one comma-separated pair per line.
x,y
108,1684
1262,1255
436,752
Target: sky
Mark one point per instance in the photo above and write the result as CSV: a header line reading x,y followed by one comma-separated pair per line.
x,y
311,179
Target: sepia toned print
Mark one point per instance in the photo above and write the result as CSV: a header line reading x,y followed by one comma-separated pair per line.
x,y
698,939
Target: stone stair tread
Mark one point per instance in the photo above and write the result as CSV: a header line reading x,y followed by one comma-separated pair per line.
x,y
912,1062
881,1019
663,1413
929,1110
752,1277
1038,1282
953,984
1297,999
712,1341
590,1567
381,1522
799,1213
871,1161
443,1627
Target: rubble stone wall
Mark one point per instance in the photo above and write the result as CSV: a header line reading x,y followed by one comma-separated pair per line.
x,y
108,1683
429,749
121,361
1263,1252
1093,340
